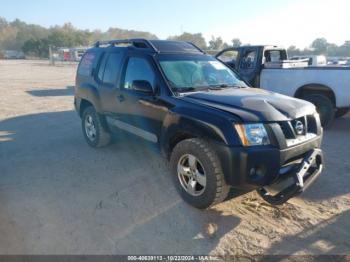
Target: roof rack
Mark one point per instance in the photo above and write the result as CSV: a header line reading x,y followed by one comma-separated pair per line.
x,y
136,42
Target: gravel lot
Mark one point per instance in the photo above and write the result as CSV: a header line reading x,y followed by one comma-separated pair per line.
x,y
59,196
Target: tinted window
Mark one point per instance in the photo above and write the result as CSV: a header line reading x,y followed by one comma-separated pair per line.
x,y
112,68
138,69
86,63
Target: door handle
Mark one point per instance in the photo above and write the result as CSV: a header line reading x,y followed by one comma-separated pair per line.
x,y
121,98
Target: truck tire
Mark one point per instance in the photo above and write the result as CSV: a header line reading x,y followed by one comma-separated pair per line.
x,y
94,133
197,173
324,107
341,112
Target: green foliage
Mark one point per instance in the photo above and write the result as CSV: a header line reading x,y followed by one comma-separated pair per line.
x,y
236,42
36,47
216,43
321,46
197,39
35,40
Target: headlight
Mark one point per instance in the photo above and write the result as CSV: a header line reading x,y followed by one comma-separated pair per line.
x,y
252,134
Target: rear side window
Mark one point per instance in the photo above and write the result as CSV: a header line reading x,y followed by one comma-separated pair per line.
x,y
86,64
101,69
273,56
112,68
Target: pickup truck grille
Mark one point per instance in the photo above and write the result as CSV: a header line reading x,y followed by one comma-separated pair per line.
x,y
299,130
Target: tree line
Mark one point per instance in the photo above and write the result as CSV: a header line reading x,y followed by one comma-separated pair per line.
x,y
321,46
34,40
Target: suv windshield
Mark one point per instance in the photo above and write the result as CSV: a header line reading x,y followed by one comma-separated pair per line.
x,y
198,72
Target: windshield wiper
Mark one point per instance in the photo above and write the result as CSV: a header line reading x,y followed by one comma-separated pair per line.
x,y
189,89
221,86
204,88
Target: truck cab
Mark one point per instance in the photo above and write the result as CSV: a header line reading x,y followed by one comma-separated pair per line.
x,y
268,67
248,61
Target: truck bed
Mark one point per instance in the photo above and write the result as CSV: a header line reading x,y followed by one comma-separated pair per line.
x,y
288,80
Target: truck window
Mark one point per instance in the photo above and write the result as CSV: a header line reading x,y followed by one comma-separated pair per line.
x,y
138,69
275,55
86,63
248,60
112,68
228,56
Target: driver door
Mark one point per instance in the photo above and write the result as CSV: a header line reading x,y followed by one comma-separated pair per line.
x,y
142,112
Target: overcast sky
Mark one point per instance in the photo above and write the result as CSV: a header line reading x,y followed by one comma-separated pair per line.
x,y
283,22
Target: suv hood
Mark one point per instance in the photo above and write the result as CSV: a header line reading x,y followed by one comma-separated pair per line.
x,y
253,104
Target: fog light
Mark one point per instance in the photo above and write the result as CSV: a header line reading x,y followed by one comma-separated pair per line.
x,y
252,172
257,172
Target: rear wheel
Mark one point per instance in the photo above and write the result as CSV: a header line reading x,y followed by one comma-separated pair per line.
x,y
342,112
94,133
324,107
197,173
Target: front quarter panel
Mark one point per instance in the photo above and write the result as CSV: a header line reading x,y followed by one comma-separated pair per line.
x,y
195,122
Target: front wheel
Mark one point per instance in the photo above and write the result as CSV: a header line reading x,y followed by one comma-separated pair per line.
x,y
197,173
94,133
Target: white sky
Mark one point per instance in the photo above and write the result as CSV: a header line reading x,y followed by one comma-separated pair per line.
x,y
278,22
297,23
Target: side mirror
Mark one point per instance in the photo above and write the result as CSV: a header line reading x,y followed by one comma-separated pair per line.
x,y
142,86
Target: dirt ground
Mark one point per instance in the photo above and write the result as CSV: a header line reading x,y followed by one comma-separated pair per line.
x,y
60,196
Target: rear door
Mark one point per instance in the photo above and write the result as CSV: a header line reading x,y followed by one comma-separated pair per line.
x,y
107,77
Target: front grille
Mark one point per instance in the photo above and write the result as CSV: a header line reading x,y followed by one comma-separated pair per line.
x,y
311,124
298,130
287,129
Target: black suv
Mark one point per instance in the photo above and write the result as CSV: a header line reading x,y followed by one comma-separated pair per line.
x,y
217,132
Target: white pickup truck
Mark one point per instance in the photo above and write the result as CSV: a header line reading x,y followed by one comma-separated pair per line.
x,y
268,67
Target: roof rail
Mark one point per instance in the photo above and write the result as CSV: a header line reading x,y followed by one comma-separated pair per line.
x,y
133,41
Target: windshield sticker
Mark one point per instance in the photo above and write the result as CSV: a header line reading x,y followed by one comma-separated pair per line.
x,y
217,65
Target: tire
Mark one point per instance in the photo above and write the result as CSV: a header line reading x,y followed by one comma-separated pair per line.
x,y
100,137
341,112
207,163
324,107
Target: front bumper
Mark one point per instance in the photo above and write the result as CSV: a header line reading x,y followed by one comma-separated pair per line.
x,y
302,176
251,168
